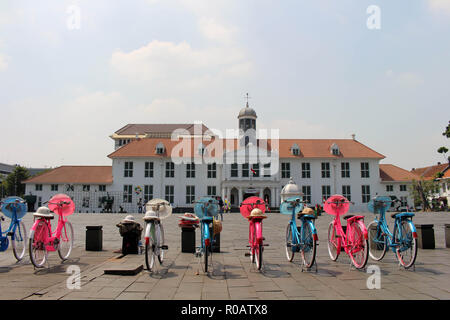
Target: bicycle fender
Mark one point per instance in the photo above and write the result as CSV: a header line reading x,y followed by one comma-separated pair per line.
x,y
413,228
147,231
258,231
363,228
313,228
33,228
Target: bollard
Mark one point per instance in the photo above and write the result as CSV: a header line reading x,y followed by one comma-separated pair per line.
x,y
425,236
447,235
188,239
94,238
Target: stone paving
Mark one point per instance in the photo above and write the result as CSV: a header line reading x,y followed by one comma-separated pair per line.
x,y
233,277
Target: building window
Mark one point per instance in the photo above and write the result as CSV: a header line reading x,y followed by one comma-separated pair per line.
x,y
255,168
127,193
404,201
346,192
325,169
365,170
285,170
326,192
70,187
148,173
234,169
306,190
211,190
201,149
160,148
102,188
148,193
403,187
389,188
335,150
54,187
170,170
365,191
190,194
128,171
86,187
295,149
306,170
245,167
190,170
38,187
267,170
345,170
169,194
212,170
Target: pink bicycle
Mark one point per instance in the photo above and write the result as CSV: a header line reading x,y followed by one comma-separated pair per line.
x,y
42,239
354,240
253,209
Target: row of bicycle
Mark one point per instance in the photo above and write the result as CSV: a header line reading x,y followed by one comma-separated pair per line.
x,y
355,239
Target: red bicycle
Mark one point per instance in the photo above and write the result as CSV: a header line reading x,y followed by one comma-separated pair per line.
x,y
253,209
354,241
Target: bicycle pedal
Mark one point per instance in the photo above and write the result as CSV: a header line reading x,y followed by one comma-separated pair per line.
x,y
164,247
10,233
248,246
247,254
266,245
264,238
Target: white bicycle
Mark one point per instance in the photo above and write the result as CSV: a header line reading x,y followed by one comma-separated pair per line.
x,y
156,210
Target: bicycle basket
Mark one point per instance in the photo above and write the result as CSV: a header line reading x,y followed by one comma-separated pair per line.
x,y
14,203
251,203
211,205
379,204
217,226
65,209
162,208
336,205
286,207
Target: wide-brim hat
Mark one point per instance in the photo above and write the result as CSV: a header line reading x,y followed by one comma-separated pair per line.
x,y
257,213
129,219
150,215
308,211
189,217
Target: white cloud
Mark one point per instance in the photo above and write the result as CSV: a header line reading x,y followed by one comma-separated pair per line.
x,y
405,79
440,6
215,31
162,63
3,63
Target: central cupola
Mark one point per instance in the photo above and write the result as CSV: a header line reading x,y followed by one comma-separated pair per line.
x,y
247,118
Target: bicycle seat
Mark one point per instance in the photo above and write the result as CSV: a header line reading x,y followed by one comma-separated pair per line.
x,y
394,214
305,215
48,216
348,216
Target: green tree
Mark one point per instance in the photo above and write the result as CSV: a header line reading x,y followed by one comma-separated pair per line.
x,y
422,190
13,182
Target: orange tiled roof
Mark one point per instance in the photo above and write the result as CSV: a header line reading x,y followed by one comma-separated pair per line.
x,y
309,148
133,128
429,173
75,175
389,172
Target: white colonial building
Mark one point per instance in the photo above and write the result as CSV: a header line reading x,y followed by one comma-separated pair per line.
x,y
182,162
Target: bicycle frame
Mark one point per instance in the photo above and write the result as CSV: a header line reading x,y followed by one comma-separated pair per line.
x,y
11,231
52,236
205,234
344,240
298,238
383,227
153,230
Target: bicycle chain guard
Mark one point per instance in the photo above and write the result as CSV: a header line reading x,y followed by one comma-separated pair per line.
x,y
4,243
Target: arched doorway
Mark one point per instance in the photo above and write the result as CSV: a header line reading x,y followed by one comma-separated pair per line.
x,y
266,196
234,197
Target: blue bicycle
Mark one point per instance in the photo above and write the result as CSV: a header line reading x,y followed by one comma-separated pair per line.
x,y
402,240
206,209
14,208
303,240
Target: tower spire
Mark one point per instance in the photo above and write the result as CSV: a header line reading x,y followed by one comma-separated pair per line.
x,y
247,97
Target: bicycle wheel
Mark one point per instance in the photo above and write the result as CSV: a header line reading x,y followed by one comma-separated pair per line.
x,y
407,249
18,241
289,249
65,241
377,241
358,246
308,246
37,243
150,250
259,256
334,243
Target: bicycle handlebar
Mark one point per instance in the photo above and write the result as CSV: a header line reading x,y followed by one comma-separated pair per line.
x,y
340,202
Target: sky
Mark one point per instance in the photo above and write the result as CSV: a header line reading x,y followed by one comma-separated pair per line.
x,y
74,72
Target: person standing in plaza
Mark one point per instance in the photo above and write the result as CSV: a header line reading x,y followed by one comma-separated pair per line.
x,y
139,205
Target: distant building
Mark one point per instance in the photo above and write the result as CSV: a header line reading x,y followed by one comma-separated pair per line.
x,y
143,168
432,173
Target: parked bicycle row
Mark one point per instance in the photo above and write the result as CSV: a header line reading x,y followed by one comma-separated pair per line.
x,y
355,239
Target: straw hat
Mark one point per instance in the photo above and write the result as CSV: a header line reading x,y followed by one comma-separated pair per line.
x,y
128,219
308,211
189,216
257,213
150,215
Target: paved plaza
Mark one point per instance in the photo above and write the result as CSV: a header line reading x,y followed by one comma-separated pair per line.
x,y
233,277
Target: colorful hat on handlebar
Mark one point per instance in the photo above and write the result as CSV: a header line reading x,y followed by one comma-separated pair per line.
x,y
61,204
14,203
379,204
287,205
210,204
257,213
336,205
251,203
